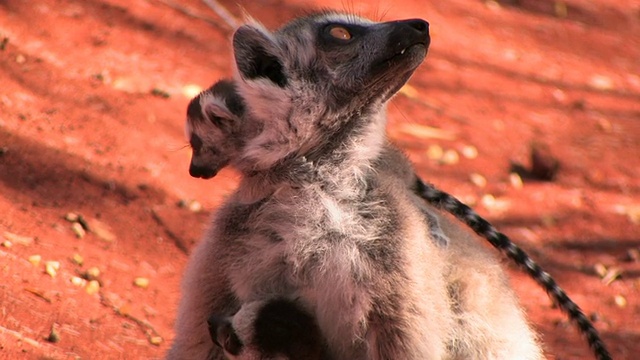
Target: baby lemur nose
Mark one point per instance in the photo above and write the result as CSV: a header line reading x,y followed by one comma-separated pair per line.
x,y
203,172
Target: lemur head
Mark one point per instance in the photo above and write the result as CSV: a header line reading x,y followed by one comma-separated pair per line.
x,y
214,118
320,76
268,330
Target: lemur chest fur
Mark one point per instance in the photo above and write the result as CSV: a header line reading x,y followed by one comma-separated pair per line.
x,y
305,230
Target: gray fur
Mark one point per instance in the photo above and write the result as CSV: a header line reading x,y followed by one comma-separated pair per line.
x,y
314,218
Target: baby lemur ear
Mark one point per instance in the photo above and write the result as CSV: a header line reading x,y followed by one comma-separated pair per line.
x,y
220,116
258,56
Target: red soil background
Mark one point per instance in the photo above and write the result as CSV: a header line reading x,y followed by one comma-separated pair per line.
x,y
92,102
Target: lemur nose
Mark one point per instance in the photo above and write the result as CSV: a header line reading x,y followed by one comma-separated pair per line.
x,y
419,24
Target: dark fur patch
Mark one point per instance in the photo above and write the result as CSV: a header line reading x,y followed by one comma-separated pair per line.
x,y
261,64
238,216
196,143
194,110
284,327
233,100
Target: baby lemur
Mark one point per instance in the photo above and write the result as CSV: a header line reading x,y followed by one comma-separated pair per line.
x,y
363,252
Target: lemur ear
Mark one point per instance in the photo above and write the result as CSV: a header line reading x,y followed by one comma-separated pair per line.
x,y
257,56
219,115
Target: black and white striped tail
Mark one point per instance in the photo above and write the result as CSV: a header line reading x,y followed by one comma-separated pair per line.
x,y
482,227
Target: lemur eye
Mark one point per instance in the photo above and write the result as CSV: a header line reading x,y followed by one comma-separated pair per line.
x,y
340,32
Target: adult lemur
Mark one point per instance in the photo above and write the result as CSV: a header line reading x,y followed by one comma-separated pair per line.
x,y
358,261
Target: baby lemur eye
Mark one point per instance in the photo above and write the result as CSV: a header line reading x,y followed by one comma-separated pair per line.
x,y
339,32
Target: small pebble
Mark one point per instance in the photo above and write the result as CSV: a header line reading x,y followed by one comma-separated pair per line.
x,y
195,206
516,181
470,152
450,157
7,244
77,259
51,268
35,259
488,200
478,180
155,340
620,301
141,282
93,273
435,152
600,269
93,287
71,217
78,281
77,229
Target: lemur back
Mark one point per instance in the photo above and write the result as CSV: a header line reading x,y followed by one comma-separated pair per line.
x,y
297,162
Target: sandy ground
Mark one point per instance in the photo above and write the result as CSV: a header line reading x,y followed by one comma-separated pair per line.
x,y
92,102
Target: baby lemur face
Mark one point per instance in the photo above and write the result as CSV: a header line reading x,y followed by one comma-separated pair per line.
x,y
268,330
213,128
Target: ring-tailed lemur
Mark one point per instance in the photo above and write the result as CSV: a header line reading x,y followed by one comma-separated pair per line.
x,y
316,218
276,328
217,132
